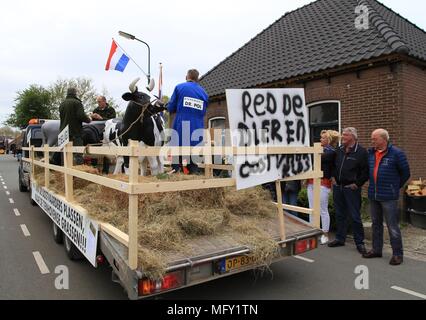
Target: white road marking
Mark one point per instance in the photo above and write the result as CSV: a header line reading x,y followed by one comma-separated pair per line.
x,y
25,230
304,259
413,293
3,182
17,213
8,193
11,200
5,187
40,263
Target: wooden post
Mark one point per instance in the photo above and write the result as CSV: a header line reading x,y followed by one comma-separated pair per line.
x,y
280,210
133,209
208,171
32,164
68,164
46,170
317,186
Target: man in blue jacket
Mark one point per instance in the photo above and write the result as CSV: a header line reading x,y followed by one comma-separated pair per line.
x,y
350,173
189,102
389,172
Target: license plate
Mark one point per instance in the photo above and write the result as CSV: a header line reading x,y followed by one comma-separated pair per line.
x,y
238,262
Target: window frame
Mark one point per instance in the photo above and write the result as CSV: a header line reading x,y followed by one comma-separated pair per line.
x,y
315,104
216,118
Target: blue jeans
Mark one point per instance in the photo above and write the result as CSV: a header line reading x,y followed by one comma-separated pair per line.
x,y
290,198
347,203
388,210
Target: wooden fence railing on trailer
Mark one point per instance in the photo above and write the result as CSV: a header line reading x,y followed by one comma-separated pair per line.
x,y
133,188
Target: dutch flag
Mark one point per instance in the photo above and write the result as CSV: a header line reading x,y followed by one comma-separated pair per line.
x,y
117,59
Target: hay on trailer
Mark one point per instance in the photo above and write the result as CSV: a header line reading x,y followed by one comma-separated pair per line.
x,y
254,201
202,222
168,220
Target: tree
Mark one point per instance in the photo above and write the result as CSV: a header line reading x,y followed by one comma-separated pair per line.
x,y
86,92
9,132
34,102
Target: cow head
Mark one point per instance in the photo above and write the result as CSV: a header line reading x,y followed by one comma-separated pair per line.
x,y
135,95
142,99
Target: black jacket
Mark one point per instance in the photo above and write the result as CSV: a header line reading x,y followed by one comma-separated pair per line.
x,y
71,113
351,167
106,113
327,162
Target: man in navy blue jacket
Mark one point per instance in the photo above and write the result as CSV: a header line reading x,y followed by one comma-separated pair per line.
x,y
389,172
189,102
350,174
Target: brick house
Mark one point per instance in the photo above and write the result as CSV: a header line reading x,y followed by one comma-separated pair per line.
x,y
364,78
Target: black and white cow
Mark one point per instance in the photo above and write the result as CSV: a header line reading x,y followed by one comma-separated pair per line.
x,y
141,122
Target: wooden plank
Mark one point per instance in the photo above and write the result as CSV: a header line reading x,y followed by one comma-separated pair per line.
x,y
155,187
32,163
317,187
46,170
115,233
228,167
208,171
298,209
175,151
280,210
133,209
68,163
104,181
305,176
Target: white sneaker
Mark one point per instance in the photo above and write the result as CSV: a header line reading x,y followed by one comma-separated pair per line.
x,y
323,240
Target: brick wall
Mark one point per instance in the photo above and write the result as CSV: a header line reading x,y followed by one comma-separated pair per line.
x,y
370,100
413,118
380,97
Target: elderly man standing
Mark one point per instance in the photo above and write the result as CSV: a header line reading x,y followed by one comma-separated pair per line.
x,y
389,172
350,174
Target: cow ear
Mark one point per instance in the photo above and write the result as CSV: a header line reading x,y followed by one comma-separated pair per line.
x,y
127,96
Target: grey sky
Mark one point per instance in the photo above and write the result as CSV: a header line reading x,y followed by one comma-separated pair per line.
x,y
44,40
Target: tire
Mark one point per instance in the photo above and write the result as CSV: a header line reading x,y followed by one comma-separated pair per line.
x,y
71,250
33,203
22,188
58,235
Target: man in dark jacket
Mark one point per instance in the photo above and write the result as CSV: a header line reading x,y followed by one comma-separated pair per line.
x,y
389,172
103,111
71,113
350,174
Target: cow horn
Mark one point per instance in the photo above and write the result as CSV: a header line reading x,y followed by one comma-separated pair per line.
x,y
133,88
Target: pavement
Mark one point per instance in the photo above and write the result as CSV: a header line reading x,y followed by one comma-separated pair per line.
x,y
29,258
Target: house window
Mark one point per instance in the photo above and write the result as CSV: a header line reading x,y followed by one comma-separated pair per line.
x,y
323,115
217,126
217,123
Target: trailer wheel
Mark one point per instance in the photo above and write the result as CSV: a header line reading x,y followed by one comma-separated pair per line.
x,y
33,203
58,235
71,249
22,188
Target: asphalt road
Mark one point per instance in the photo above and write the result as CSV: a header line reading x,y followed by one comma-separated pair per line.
x,y
321,274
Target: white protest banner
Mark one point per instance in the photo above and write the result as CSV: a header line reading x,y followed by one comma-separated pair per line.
x,y
64,137
81,230
268,117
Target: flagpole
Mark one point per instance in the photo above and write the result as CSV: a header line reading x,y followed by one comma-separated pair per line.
x,y
130,57
160,82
